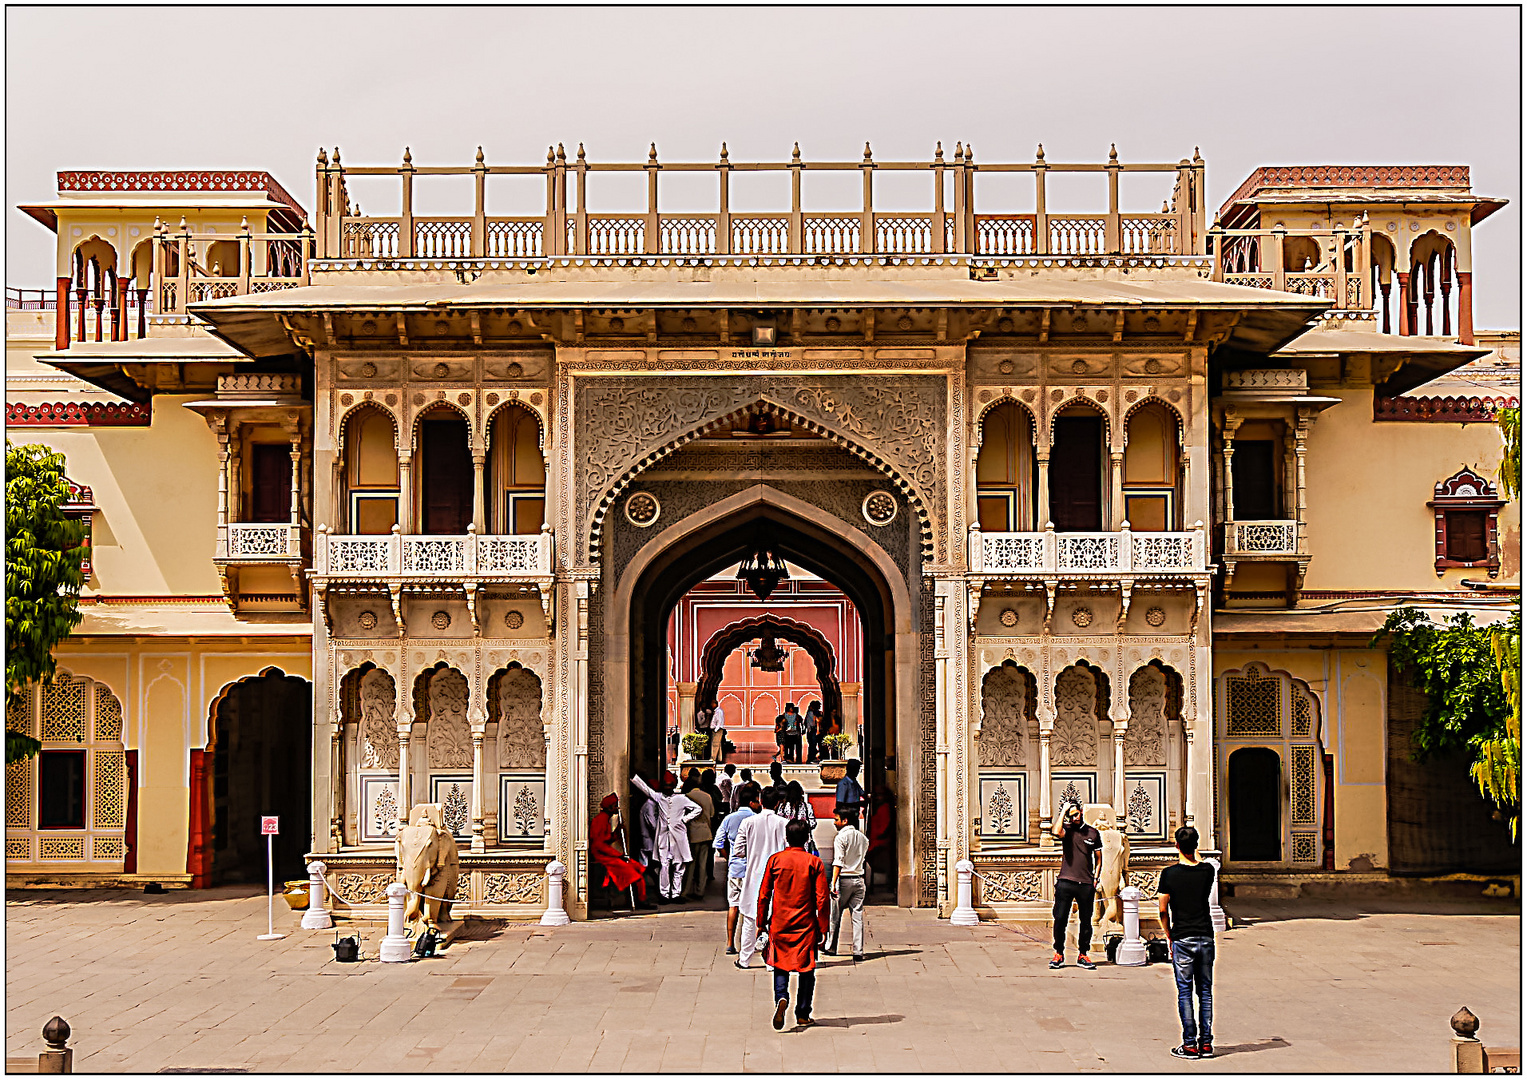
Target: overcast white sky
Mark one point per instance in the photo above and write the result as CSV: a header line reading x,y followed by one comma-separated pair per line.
x,y
263,88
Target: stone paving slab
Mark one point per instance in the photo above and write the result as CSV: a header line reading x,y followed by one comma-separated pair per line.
x,y
180,981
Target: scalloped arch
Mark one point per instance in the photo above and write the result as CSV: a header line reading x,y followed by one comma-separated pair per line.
x,y
429,407
349,413
513,403
1110,422
1004,398
1153,399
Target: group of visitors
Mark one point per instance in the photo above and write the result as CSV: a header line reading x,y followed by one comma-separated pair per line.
x,y
797,733
712,721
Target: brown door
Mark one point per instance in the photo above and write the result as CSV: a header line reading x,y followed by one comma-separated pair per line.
x,y
271,483
446,497
1076,474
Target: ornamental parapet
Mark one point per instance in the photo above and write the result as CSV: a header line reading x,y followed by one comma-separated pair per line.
x,y
1123,553
400,557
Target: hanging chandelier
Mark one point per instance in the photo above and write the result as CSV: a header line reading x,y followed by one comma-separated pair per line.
x,y
763,569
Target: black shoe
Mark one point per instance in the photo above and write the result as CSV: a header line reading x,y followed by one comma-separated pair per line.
x,y
1083,962
858,956
731,950
1205,1049
780,1008
1185,1051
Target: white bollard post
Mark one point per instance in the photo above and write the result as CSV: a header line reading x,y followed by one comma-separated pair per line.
x,y
1132,949
556,913
1216,913
396,948
964,913
317,916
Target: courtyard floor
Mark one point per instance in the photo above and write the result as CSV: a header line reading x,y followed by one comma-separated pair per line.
x,y
179,981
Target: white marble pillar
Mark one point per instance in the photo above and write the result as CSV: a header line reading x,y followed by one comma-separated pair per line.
x,y
336,783
479,516
1116,489
1120,727
1046,725
406,493
405,729
478,843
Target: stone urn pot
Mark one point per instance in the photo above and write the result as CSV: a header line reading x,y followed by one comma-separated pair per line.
x,y
296,895
832,770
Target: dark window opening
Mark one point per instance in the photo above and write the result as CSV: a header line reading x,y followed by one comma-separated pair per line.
x,y
1256,805
270,482
1076,474
1466,540
61,789
1254,475
446,499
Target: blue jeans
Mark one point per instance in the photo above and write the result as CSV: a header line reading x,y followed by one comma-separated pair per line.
x,y
806,984
1193,964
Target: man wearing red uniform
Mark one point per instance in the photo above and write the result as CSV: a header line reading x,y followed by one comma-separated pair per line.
x,y
620,872
794,896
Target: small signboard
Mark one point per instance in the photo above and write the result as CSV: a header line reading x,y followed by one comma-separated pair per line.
x,y
270,826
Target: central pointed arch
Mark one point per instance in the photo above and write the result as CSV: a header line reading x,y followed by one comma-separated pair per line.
x,y
728,638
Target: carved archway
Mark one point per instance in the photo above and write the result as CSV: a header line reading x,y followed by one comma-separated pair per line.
x,y
726,640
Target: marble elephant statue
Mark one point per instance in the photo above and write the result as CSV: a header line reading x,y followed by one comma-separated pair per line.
x,y
428,864
1114,876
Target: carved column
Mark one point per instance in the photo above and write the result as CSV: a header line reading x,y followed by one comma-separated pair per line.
x,y
578,714
235,481
1116,489
222,486
337,782
478,514
1120,728
1042,456
405,722
294,544
1190,782
1301,444
478,844
405,492
1046,716
1231,425
687,692
941,723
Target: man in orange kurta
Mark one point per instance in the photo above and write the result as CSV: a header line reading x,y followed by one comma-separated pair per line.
x,y
620,872
792,903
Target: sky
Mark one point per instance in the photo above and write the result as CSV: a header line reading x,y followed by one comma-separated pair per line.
x,y
264,88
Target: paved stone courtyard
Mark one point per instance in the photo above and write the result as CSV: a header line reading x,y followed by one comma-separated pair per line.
x,y
179,981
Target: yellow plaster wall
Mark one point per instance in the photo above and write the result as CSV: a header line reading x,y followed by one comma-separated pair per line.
x,y
126,227
1352,687
1368,486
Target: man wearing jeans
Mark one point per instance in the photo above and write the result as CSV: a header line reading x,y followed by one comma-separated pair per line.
x,y
1081,854
1183,900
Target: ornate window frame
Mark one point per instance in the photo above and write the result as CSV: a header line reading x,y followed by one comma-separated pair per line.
x,y
1467,491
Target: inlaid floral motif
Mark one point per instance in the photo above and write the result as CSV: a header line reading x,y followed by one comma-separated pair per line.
x,y
1074,739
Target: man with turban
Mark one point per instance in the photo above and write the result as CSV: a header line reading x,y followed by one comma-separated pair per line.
x,y
620,872
673,853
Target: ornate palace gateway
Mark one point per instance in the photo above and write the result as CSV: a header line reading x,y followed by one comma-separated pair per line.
x,y
506,447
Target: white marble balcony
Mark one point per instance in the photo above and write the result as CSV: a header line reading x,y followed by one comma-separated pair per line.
x,y
1087,554
1245,539
410,556
258,542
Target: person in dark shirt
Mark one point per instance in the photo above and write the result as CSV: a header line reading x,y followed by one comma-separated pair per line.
x,y
1081,856
1183,900
850,796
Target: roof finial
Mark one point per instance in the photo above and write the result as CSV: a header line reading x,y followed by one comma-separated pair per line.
x,y
580,151
551,154
723,152
182,223
1164,208
970,153
1196,159
867,156
336,155
1365,217
1113,154
244,223
652,154
323,158
560,155
1040,154
408,158
938,152
795,155
479,155
959,151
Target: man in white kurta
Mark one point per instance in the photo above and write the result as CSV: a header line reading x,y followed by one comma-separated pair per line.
x,y
759,837
673,814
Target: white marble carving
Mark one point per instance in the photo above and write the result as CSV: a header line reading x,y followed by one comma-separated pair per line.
x,y
450,736
1074,740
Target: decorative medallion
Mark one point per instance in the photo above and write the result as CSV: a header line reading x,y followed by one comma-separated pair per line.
x,y
418,399
1152,323
346,399
617,324
440,620
368,327
368,620
391,399
1005,325
368,370
1174,395
642,509
984,395
1101,395
1152,366
514,620
514,326
514,371
535,398
442,370
464,399
1006,367
442,328
1082,616
1079,367
879,508
834,324
492,399
1155,616
1130,395
904,323
688,325
1009,617
1057,394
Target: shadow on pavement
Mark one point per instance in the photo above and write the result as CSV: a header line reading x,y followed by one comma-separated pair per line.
x,y
1274,1043
859,1021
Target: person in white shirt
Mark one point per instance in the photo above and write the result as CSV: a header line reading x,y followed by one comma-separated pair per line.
x,y
759,837
672,848
717,734
849,851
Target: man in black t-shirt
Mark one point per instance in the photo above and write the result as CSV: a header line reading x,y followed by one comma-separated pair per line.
x,y
1081,855
1183,900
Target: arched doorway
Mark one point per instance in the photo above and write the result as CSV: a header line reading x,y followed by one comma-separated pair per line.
x,y
1256,818
719,536
780,628
261,746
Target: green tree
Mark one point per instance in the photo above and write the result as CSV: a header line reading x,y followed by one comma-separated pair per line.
x,y
1470,701
1510,423
43,575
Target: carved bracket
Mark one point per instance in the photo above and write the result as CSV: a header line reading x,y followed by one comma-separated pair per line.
x,y
321,593
1201,600
1050,586
975,604
471,591
1126,586
395,592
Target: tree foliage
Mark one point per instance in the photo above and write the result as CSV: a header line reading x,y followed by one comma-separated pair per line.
x,y
43,575
1473,706
1510,474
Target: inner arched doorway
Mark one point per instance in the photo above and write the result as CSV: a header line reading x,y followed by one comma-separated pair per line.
x,y
261,745
668,565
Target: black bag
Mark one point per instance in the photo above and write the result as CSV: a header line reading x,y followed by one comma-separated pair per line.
x,y
1157,951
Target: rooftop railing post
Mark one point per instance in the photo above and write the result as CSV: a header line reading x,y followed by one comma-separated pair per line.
x,y
479,207
970,196
1200,212
581,225
650,239
549,228
1339,269
963,242
1185,217
723,204
938,245
1041,215
321,191
338,207
183,277
306,248
1113,239
1275,257
1217,252
797,222
1362,261
557,244
867,243
244,253
406,219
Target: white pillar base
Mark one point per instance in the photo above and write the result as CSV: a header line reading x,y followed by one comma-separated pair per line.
x,y
396,948
317,915
964,913
556,913
1131,952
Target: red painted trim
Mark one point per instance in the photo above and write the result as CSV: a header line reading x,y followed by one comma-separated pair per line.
x,y
198,854
78,414
1443,410
1349,176
1466,307
130,838
61,322
216,181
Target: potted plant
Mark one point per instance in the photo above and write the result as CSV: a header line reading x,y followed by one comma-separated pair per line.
x,y
834,766
696,745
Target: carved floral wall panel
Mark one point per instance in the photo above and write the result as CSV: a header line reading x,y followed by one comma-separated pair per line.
x,y
1007,703
1074,739
1145,739
450,735
521,739
379,733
